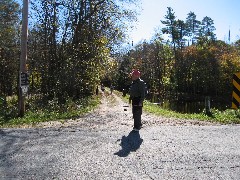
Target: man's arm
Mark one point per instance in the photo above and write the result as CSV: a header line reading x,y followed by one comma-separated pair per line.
x,y
142,91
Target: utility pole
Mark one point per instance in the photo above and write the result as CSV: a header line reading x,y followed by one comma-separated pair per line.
x,y
23,79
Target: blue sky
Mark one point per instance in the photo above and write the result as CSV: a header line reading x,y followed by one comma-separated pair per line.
x,y
225,14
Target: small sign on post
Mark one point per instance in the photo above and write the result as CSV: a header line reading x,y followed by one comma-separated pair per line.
x,y
24,80
24,90
24,83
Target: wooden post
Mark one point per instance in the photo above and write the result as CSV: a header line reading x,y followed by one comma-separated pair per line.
x,y
23,57
207,105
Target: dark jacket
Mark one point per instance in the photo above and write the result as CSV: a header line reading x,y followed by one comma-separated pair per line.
x,y
137,91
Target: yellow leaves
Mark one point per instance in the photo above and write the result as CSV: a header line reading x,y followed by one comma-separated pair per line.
x,y
230,58
102,41
166,80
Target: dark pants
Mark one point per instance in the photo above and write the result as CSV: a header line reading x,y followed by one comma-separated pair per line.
x,y
137,112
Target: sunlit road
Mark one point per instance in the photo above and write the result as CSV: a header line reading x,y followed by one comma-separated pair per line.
x,y
102,146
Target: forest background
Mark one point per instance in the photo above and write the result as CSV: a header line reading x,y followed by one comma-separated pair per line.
x,y
74,46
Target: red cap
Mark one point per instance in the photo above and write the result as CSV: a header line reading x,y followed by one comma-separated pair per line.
x,y
135,72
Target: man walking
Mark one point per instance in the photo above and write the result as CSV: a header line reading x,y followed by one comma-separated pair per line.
x,y
137,95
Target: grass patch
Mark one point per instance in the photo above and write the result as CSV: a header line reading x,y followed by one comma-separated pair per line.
x,y
228,116
52,111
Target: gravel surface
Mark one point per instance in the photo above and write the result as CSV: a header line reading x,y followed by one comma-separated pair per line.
x,y
101,145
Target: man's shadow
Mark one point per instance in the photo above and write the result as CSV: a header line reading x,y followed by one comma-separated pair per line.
x,y
130,143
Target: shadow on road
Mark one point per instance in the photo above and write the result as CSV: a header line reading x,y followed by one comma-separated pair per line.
x,y
129,144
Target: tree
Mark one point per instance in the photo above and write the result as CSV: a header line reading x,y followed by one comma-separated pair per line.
x,y
9,47
192,26
206,32
170,24
181,29
176,28
75,40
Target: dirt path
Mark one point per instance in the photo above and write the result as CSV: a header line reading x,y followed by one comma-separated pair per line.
x,y
108,115
114,113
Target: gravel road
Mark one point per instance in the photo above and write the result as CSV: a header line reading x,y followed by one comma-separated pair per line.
x,y
101,145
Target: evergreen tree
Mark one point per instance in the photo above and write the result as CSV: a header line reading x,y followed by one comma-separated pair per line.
x,y
170,23
192,27
206,32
